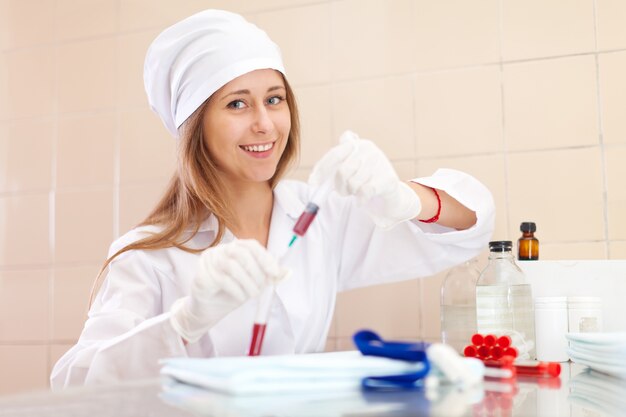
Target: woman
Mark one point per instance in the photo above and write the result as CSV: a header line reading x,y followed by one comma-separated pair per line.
x,y
186,281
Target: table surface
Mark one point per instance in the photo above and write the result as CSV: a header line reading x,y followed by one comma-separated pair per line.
x,y
578,392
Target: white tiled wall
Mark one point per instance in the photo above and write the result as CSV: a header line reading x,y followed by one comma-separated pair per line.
x,y
528,96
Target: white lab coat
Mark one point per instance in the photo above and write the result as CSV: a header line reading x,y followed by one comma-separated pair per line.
x,y
128,329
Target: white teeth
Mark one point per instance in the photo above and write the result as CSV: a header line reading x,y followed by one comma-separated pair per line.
x,y
258,148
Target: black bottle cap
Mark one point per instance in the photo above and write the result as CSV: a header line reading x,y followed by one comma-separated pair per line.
x,y
500,245
528,227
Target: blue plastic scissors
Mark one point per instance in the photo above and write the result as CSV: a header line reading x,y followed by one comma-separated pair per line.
x,y
369,343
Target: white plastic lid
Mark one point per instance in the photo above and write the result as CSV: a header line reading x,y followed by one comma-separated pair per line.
x,y
584,301
551,302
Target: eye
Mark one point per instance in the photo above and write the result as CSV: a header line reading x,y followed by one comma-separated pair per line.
x,y
236,104
275,100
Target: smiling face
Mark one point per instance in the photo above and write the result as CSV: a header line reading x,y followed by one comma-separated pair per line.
x,y
246,126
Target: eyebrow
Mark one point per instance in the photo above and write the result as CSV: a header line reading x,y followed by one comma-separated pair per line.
x,y
244,91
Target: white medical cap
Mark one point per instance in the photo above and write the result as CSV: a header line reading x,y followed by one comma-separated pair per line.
x,y
195,57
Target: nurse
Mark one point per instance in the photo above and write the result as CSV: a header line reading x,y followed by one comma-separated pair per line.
x,y
186,281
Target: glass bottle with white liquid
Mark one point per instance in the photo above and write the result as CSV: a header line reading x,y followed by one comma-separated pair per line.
x,y
504,302
458,305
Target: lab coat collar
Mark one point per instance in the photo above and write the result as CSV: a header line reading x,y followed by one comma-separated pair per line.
x,y
284,196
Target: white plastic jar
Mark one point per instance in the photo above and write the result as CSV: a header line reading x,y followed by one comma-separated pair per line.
x,y
551,325
585,314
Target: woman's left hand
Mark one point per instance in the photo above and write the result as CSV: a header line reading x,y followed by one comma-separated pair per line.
x,y
358,167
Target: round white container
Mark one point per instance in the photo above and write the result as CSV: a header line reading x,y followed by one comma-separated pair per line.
x,y
585,314
551,323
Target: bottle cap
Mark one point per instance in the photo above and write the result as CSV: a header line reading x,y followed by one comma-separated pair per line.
x,y
500,246
528,227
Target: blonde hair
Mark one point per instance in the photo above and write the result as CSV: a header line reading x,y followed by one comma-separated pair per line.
x,y
197,190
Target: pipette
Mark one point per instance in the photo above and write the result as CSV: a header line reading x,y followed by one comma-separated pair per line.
x,y
265,299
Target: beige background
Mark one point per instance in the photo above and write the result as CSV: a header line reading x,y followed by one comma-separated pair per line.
x,y
529,96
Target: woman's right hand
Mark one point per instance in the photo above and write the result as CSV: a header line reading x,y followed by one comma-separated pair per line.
x,y
227,276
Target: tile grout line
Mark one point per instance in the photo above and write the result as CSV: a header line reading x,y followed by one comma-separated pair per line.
x,y
605,199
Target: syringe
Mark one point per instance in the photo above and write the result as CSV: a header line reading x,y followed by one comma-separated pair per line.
x,y
265,299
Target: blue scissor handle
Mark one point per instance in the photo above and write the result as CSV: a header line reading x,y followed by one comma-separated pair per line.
x,y
369,343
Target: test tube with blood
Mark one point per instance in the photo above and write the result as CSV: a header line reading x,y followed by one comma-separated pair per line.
x,y
265,300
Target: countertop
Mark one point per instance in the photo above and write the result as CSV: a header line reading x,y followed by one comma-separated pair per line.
x,y
578,392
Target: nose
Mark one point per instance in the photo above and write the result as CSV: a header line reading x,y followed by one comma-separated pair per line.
x,y
263,123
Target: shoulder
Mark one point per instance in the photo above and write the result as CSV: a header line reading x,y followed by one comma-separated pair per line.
x,y
132,236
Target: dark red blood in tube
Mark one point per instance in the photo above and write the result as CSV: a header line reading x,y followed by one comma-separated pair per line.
x,y
258,331
305,219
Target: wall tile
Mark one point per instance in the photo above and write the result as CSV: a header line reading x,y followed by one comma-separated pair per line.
x,y
551,104
566,251
24,294
535,28
141,14
315,123
27,365
610,17
368,108
85,18
4,86
55,352
613,96
136,202
557,199
86,73
618,250
392,309
454,33
132,49
369,38
459,112
306,53
142,134
70,299
405,169
84,225
26,152
29,83
23,25
616,192
489,170
86,147
25,225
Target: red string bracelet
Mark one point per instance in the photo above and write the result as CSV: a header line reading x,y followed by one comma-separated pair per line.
x,y
436,216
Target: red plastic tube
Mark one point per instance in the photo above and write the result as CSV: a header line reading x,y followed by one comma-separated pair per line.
x,y
510,351
504,341
490,340
477,339
543,369
496,352
470,351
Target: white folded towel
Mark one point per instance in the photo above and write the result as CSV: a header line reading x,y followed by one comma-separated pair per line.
x,y
603,352
261,375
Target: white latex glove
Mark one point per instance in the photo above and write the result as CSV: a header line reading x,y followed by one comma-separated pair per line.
x,y
227,276
358,167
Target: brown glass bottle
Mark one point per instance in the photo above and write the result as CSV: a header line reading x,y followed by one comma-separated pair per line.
x,y
528,244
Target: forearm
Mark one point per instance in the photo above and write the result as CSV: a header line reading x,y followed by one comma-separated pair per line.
x,y
453,214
